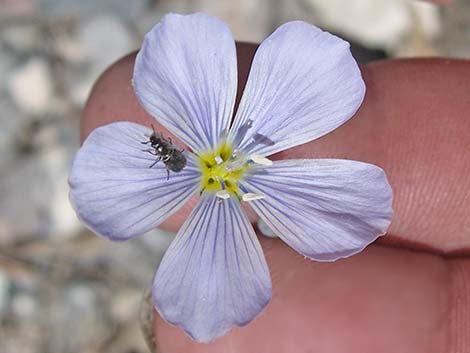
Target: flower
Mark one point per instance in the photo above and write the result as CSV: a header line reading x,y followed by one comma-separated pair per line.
x,y
303,84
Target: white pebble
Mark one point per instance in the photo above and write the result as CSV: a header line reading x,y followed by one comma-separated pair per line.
x,y
30,86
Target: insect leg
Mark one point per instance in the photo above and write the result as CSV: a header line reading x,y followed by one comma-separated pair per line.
x,y
153,153
158,160
167,174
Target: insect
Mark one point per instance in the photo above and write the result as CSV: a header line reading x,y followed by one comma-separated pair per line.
x,y
163,148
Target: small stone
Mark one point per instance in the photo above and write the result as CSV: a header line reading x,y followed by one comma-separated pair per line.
x,y
31,86
102,40
11,121
78,319
157,240
85,8
22,37
454,41
7,61
4,293
34,202
428,17
125,304
378,23
64,224
24,306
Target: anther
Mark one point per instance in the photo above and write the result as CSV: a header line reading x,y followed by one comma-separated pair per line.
x,y
249,196
222,194
219,160
259,159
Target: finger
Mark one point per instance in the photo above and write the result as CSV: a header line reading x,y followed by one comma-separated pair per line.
x,y
413,123
110,108
402,111
382,300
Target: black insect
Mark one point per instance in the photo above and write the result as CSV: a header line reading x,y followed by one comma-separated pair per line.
x,y
163,148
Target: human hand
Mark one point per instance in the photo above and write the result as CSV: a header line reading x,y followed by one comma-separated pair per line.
x,y
409,291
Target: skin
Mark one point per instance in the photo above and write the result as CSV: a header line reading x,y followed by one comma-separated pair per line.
x,y
407,292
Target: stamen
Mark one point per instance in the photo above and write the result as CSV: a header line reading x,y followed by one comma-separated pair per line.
x,y
223,169
222,182
249,196
218,160
234,154
242,132
259,159
262,139
222,194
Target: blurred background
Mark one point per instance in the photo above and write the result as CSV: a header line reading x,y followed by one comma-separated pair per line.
x,y
62,289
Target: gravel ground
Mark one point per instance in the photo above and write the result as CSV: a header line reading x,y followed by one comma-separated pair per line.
x,y
62,289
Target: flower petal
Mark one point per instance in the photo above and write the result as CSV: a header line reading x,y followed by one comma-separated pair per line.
x,y
325,209
185,75
113,189
303,84
214,274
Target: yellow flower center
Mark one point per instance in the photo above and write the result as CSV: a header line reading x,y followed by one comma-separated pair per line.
x,y
222,169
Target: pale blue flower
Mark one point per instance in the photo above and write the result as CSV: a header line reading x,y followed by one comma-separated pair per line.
x,y
303,84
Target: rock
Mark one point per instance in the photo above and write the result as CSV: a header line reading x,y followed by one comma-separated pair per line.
x,y
137,259
24,306
7,59
86,8
31,86
78,319
157,240
63,221
23,38
378,23
248,20
125,304
23,207
4,294
34,202
11,122
454,41
428,17
102,40
128,341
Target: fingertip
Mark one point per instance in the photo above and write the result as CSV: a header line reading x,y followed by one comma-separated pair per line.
x,y
112,99
333,307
